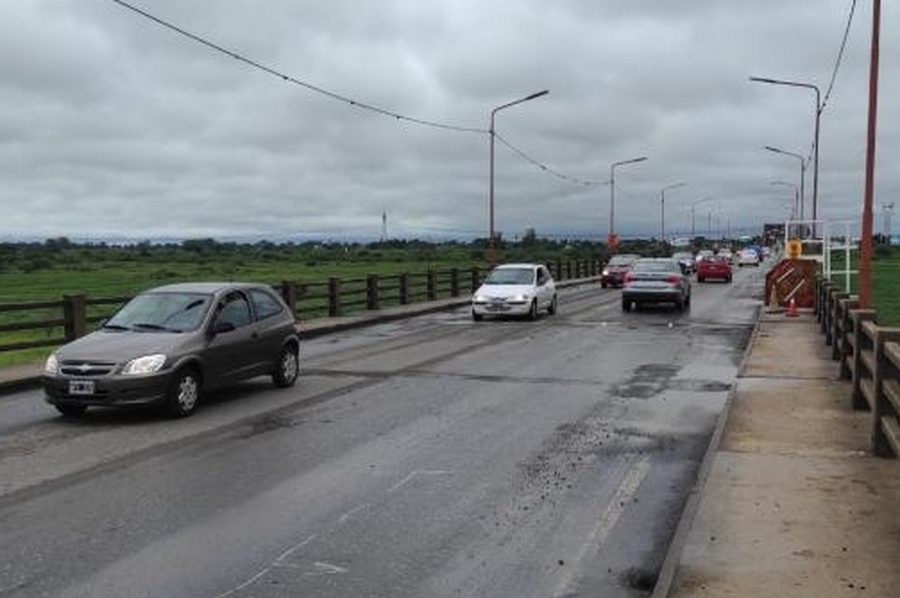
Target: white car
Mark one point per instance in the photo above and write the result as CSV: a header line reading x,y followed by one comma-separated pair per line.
x,y
515,290
748,257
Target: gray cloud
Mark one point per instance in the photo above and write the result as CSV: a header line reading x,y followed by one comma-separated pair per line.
x,y
113,125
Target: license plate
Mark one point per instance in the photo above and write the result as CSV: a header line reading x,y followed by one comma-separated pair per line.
x,y
81,387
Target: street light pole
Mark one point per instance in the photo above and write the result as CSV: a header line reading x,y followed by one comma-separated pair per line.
x,y
693,207
815,201
803,165
662,209
794,212
491,176
611,240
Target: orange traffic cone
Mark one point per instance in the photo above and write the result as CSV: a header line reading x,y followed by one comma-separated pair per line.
x,y
792,309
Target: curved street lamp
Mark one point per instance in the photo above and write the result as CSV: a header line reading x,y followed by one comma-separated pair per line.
x,y
611,240
491,192
815,199
803,164
662,209
693,209
796,196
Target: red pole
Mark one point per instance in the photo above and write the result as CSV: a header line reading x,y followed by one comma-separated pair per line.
x,y
865,242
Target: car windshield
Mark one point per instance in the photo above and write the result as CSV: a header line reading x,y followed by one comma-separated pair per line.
x,y
620,260
510,276
175,312
656,266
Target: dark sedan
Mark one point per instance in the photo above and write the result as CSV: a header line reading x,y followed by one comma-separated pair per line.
x,y
613,274
168,344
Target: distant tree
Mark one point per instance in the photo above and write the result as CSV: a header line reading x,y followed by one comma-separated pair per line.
x,y
529,238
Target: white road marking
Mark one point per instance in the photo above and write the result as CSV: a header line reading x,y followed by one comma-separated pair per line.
x,y
325,569
567,586
412,475
346,516
265,570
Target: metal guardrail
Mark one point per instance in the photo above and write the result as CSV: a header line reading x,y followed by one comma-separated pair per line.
x,y
869,356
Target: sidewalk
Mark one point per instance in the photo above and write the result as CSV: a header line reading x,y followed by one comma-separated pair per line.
x,y
790,501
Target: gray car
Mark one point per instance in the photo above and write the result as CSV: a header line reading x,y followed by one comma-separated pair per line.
x,y
656,280
169,344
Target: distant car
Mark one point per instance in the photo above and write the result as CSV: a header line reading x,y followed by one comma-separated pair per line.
x,y
703,254
747,257
717,267
686,259
656,280
169,344
613,274
726,253
515,290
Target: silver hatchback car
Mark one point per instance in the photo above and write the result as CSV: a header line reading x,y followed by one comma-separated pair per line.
x,y
168,344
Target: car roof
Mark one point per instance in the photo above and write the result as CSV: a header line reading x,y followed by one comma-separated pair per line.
x,y
503,266
207,288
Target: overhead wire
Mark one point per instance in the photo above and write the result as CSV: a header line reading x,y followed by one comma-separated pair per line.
x,y
342,98
290,79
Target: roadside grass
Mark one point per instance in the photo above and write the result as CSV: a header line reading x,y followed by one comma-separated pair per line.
x,y
885,286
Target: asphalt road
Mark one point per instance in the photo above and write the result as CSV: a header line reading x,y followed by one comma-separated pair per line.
x,y
429,457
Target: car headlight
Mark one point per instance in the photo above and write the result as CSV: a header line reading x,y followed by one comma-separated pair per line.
x,y
605,272
144,365
51,366
479,299
521,298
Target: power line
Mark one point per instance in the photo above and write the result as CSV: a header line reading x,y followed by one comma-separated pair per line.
x,y
837,62
546,168
290,79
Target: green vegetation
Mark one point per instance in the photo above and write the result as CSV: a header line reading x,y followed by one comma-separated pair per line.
x,y
885,281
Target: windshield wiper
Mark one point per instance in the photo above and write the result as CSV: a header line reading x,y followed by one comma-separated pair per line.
x,y
114,327
151,326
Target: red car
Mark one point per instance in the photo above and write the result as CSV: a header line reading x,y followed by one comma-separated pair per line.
x,y
715,266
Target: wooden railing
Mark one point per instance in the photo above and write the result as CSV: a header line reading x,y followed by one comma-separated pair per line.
x,y
869,356
32,325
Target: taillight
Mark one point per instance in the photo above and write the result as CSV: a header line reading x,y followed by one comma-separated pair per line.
x,y
629,277
673,280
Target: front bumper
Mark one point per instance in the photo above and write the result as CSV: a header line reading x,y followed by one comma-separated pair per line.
x,y
111,391
501,308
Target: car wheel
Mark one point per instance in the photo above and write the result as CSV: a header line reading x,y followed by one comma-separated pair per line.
x,y
700,279
728,279
533,312
477,317
602,285
71,410
552,309
288,369
184,393
626,304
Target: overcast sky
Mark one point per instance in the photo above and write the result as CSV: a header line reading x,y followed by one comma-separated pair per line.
x,y
114,125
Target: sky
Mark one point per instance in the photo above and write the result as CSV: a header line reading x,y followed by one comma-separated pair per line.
x,y
300,119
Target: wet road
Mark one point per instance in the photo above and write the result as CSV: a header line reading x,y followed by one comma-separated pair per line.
x,y
431,457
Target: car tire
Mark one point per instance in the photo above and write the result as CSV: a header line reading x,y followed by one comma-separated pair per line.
x,y
552,309
602,285
476,317
728,279
184,393
288,368
71,410
533,312
626,304
700,279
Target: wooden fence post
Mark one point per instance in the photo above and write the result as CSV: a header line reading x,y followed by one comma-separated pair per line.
x,y
568,269
431,281
75,316
884,420
404,288
476,278
372,299
454,282
334,297
289,294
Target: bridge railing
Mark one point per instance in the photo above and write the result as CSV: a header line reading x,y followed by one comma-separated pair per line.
x,y
39,324
869,356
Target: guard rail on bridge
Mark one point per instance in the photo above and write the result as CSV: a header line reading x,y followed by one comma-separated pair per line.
x,y
869,356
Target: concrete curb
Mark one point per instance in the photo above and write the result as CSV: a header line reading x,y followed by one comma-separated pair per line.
x,y
673,555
